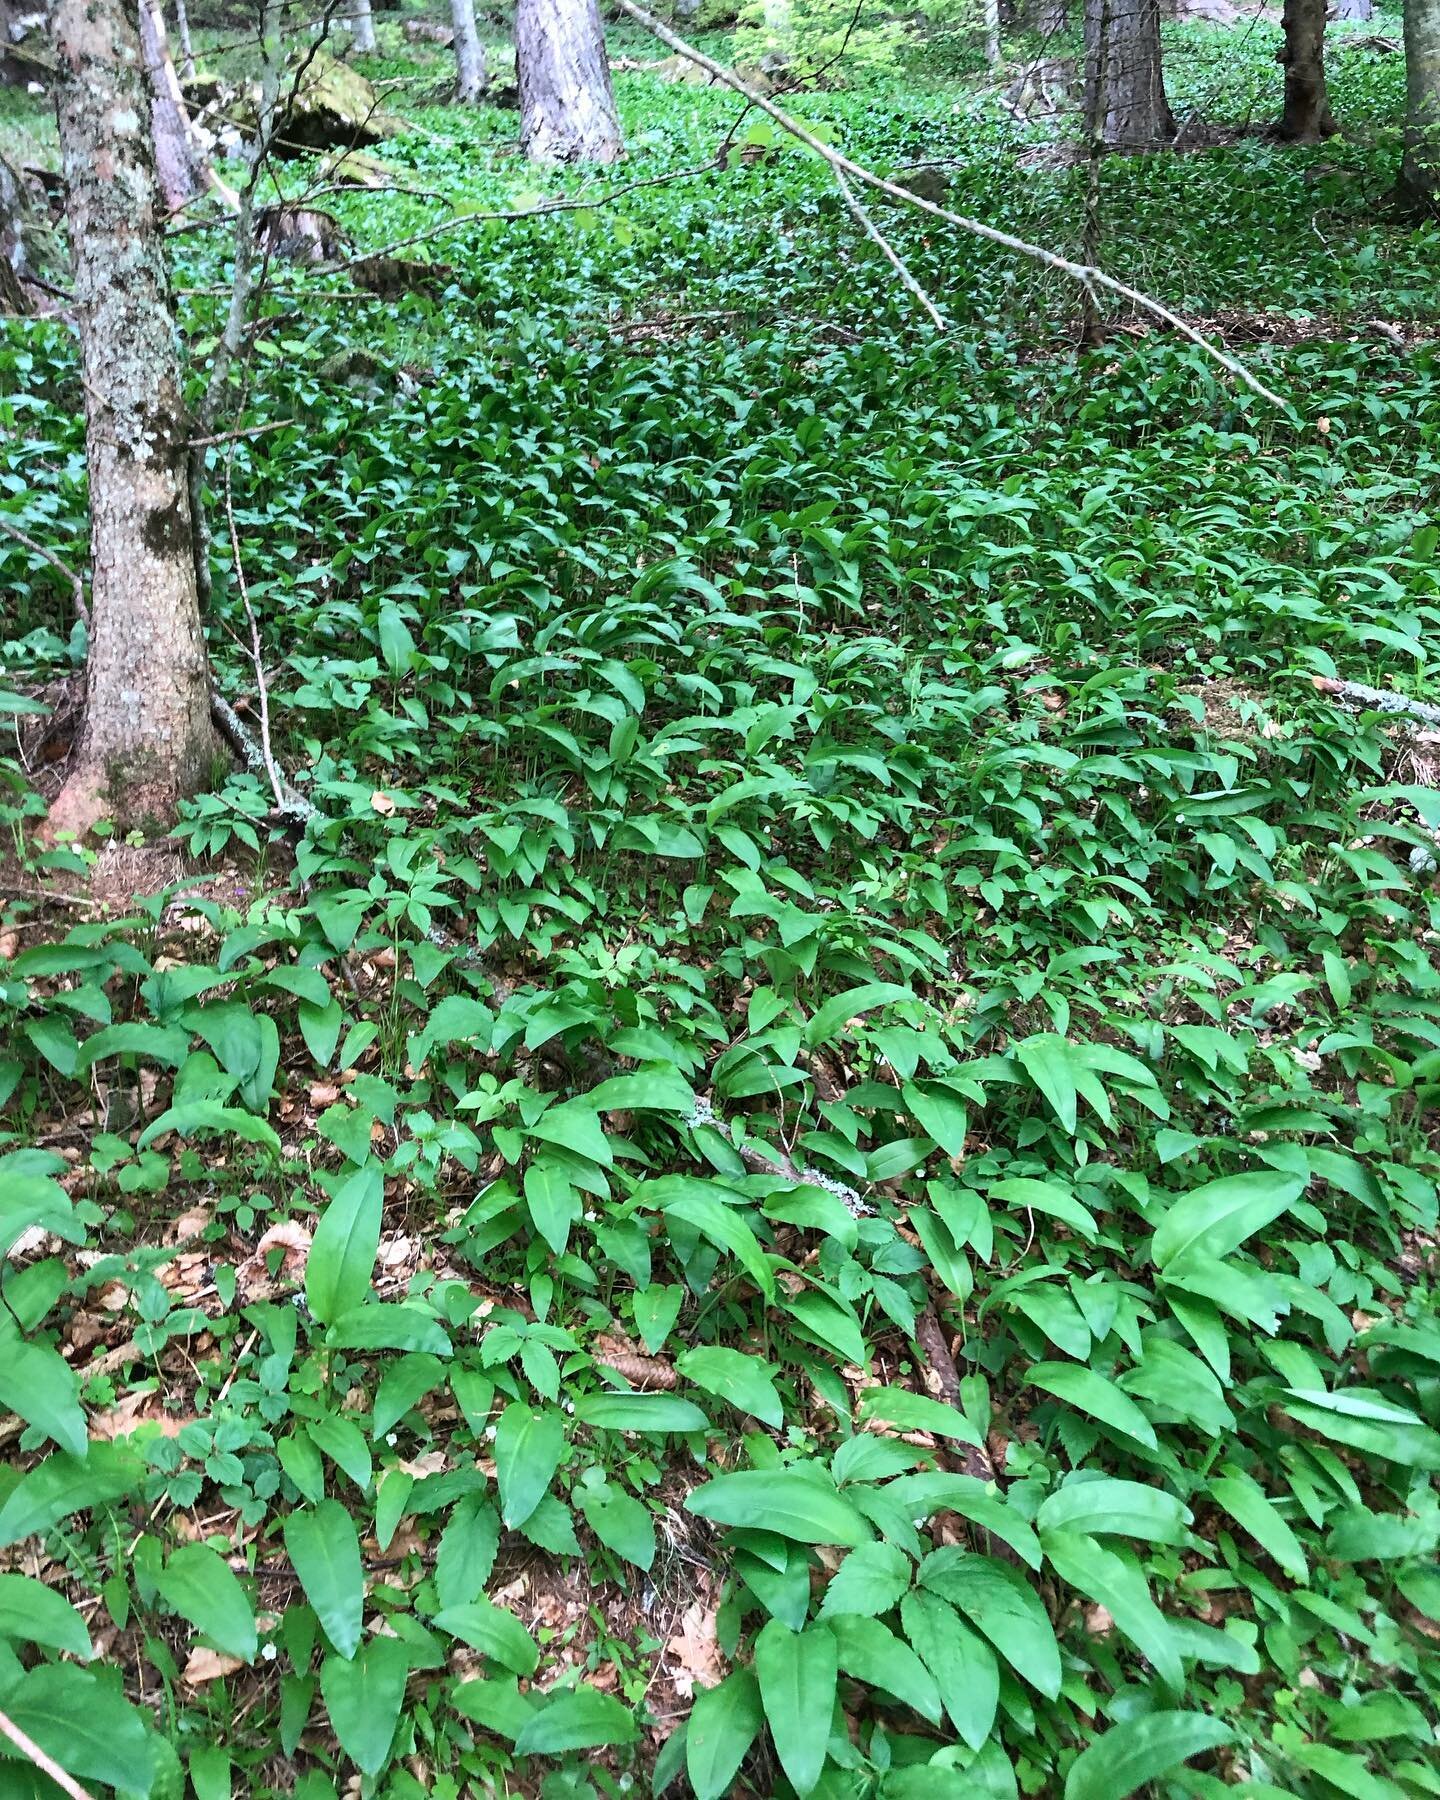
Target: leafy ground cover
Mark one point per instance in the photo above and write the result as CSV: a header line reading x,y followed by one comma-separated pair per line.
x,y
820,1171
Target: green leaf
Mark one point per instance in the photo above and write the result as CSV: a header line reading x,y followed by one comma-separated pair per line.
x,y
1109,1507
324,1552
553,1204
342,1252
467,1552
1097,1396
1252,1510
580,1718
744,1382
1139,1750
1047,1061
726,1229
1117,1585
619,1520
37,1383
32,1613
529,1443
65,1484
493,1631
363,1696
870,1581
785,1501
797,1672
724,1722
378,1325
854,1002
939,1114
202,1588
870,1652
659,1413
1003,1607
962,1663
1211,1221
210,1115
916,1412
82,1721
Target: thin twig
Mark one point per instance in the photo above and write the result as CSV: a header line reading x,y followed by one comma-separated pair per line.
x,y
277,787
77,587
1085,275
47,1765
887,250
781,1167
230,437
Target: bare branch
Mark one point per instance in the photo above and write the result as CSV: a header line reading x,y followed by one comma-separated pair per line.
x,y
1086,276
1359,698
37,1758
888,250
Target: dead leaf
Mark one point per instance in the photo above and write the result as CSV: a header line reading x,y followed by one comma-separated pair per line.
x,y
288,1234
9,944
382,804
322,1093
696,1650
208,1665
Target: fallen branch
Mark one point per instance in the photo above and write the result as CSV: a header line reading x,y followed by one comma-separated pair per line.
x,y
942,1379
77,587
246,745
887,250
231,437
1087,276
781,1167
1359,698
37,1758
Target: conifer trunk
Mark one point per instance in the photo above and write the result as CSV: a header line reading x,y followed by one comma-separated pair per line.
x,y
1306,118
567,106
147,740
471,76
1419,186
1124,80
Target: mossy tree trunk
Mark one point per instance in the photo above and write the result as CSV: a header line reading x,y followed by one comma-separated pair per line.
x,y
567,105
472,78
147,740
178,163
1419,186
1306,117
1124,78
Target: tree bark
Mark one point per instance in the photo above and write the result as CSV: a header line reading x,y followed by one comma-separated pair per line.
x,y
567,106
991,13
187,49
1419,185
178,162
1048,17
1306,117
362,26
1124,80
147,740
471,76
1352,9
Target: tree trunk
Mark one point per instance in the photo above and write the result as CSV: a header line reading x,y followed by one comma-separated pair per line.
x,y
187,49
27,245
471,76
1306,117
178,162
147,740
1352,9
1419,185
1048,17
991,11
567,106
362,27
1124,81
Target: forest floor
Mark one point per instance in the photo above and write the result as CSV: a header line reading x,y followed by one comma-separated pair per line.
x,y
833,1122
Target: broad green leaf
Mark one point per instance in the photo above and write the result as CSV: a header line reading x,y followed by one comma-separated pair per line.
x,y
916,1412
1001,1604
203,1588
580,1718
83,1722
490,1629
32,1613
620,1521
363,1696
529,1443
65,1484
724,1227
37,1383
342,1252
871,1652
797,1672
870,1581
324,1552
640,1412
1047,1061
724,1722
1211,1221
467,1551
962,1663
1139,1750
1109,1507
852,1004
1093,1394
1117,1585
745,1382
793,1505
210,1115
380,1325
553,1203
1254,1512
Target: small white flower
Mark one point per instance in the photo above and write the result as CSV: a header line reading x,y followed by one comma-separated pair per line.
x,y
269,1653
391,1438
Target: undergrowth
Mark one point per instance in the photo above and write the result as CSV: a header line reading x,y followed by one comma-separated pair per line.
x,y
820,1169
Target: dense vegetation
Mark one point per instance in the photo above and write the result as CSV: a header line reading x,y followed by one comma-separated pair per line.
x,y
755,735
